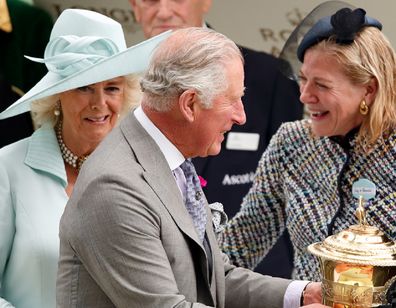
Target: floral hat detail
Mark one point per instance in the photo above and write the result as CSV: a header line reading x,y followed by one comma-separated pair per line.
x,y
85,47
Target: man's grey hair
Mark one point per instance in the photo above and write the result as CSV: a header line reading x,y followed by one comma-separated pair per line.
x,y
191,58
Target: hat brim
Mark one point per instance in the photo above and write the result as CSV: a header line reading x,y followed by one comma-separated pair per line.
x,y
132,60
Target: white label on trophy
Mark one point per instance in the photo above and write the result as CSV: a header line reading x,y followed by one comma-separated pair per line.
x,y
364,188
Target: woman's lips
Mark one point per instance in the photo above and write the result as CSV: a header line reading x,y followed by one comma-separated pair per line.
x,y
318,114
97,119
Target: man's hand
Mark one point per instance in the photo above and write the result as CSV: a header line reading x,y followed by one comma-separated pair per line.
x,y
312,294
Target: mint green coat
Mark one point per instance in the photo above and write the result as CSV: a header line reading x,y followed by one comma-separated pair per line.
x,y
32,200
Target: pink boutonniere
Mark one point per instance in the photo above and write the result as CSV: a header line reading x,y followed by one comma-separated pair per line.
x,y
202,181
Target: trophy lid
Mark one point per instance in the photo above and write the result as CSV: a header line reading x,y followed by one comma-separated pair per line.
x,y
358,244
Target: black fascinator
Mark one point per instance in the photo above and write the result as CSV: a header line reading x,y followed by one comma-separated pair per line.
x,y
337,18
346,23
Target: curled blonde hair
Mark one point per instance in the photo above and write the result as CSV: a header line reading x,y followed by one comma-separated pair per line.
x,y
42,110
369,56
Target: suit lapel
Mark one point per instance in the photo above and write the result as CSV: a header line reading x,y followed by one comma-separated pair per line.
x,y
160,178
158,174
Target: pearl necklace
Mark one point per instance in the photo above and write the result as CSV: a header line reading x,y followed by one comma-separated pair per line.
x,y
68,156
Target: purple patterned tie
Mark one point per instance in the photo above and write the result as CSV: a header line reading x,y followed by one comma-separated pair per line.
x,y
195,201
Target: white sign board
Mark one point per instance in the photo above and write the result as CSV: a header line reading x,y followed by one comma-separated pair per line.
x,y
259,24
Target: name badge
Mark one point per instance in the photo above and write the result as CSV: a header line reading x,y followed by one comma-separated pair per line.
x,y
242,141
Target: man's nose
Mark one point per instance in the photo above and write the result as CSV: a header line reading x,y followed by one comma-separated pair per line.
x,y
240,116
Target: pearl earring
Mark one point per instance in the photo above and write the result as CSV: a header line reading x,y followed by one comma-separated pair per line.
x,y
57,110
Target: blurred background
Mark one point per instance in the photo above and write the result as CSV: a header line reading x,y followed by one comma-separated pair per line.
x,y
260,24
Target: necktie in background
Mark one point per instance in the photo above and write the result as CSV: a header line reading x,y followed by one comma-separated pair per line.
x,y
195,201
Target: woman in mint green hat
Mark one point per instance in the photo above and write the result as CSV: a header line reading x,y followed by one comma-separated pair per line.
x,y
91,82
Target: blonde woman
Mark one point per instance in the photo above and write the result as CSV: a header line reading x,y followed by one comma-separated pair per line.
x,y
304,180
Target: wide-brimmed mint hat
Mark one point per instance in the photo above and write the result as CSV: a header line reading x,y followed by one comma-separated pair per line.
x,y
85,47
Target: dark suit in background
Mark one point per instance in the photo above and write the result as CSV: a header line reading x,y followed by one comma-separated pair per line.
x,y
270,99
31,29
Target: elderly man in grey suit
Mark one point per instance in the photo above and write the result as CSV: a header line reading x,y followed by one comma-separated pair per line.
x,y
136,231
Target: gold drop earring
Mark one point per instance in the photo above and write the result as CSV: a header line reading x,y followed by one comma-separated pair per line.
x,y
363,107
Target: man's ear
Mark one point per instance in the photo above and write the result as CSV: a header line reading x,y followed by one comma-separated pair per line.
x,y
188,103
135,9
371,91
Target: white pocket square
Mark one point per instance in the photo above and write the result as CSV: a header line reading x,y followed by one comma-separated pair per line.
x,y
219,217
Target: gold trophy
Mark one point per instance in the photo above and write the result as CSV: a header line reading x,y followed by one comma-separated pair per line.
x,y
358,266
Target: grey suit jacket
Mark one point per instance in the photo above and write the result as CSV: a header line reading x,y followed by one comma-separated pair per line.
x,y
126,239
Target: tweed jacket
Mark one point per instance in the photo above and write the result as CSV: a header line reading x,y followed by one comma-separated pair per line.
x,y
32,199
304,184
127,240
